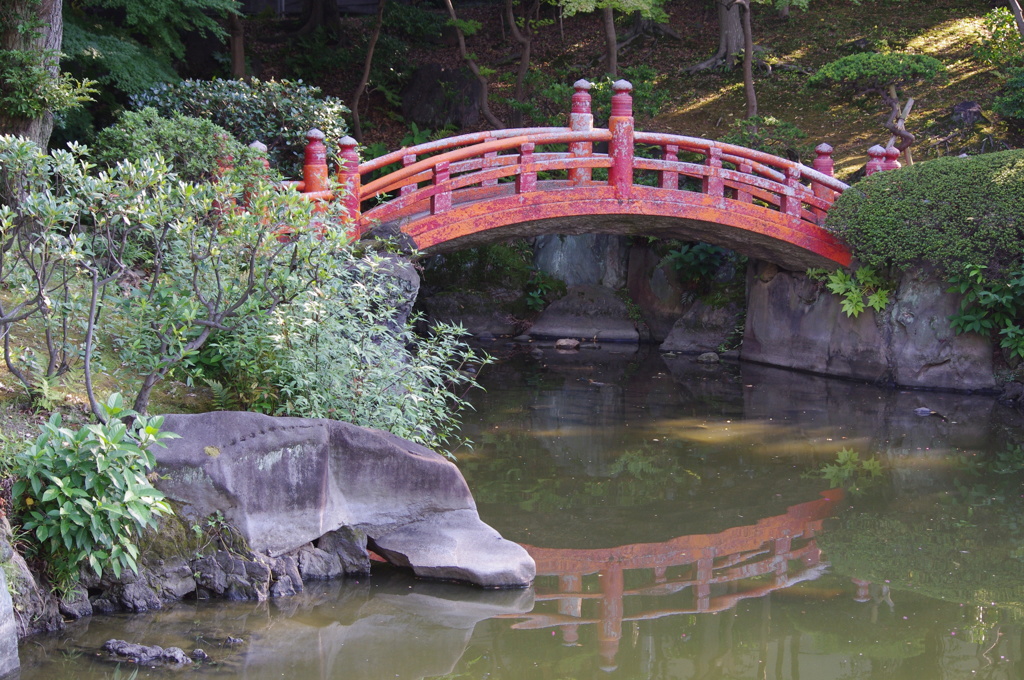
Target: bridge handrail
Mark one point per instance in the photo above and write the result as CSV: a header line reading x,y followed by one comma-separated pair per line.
x,y
703,147
450,143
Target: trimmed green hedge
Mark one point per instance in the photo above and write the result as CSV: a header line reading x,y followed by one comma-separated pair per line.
x,y
950,212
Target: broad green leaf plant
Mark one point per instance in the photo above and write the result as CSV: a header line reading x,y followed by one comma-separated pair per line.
x,y
83,494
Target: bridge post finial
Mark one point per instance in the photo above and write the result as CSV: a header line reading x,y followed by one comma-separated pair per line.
x,y
891,161
824,164
581,120
314,165
620,124
350,181
877,153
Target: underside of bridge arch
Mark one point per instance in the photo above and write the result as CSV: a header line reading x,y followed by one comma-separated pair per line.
x,y
756,231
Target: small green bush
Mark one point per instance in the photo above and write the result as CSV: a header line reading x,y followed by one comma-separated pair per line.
x,y
275,112
949,212
84,496
192,146
874,72
771,135
1001,44
1011,103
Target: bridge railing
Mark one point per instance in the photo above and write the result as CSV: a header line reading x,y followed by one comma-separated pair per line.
x,y
437,175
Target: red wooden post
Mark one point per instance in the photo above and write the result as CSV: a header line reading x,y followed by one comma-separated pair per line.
x,y
620,124
669,179
824,164
891,156
441,201
350,181
489,162
408,160
741,195
526,180
581,120
712,184
314,166
877,154
790,203
705,570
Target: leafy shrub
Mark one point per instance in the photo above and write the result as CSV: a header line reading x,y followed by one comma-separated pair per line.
x,y
192,146
1001,44
342,351
275,112
84,496
991,307
850,472
859,290
949,212
874,72
1011,103
697,261
771,135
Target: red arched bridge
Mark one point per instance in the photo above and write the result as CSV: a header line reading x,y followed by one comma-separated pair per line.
x,y
491,186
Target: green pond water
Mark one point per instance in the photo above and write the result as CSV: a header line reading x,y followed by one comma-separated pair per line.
x,y
678,532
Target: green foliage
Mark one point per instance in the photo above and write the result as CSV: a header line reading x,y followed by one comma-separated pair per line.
x,y
112,60
30,83
84,496
342,351
1011,103
697,261
874,72
542,289
861,289
161,24
991,306
1001,44
948,212
649,97
192,146
850,472
771,135
278,113
468,27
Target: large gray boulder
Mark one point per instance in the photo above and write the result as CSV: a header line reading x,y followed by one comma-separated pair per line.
x,y
286,482
795,323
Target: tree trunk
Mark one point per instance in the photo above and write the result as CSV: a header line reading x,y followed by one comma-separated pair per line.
x,y
472,65
1018,15
730,38
611,41
317,14
524,36
357,128
47,39
748,59
237,45
784,10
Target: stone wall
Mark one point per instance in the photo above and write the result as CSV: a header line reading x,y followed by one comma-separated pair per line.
x,y
795,322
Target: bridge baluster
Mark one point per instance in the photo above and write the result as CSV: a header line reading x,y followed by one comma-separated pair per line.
x,y
877,154
790,204
314,166
408,160
824,164
668,179
741,195
488,162
350,181
441,200
526,180
620,124
712,184
891,156
581,120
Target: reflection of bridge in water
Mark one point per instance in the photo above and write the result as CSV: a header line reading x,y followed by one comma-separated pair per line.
x,y
715,570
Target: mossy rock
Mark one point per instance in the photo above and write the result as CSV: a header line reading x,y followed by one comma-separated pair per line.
x,y
948,212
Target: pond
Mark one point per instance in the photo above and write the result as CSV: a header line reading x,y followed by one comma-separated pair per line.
x,y
682,528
